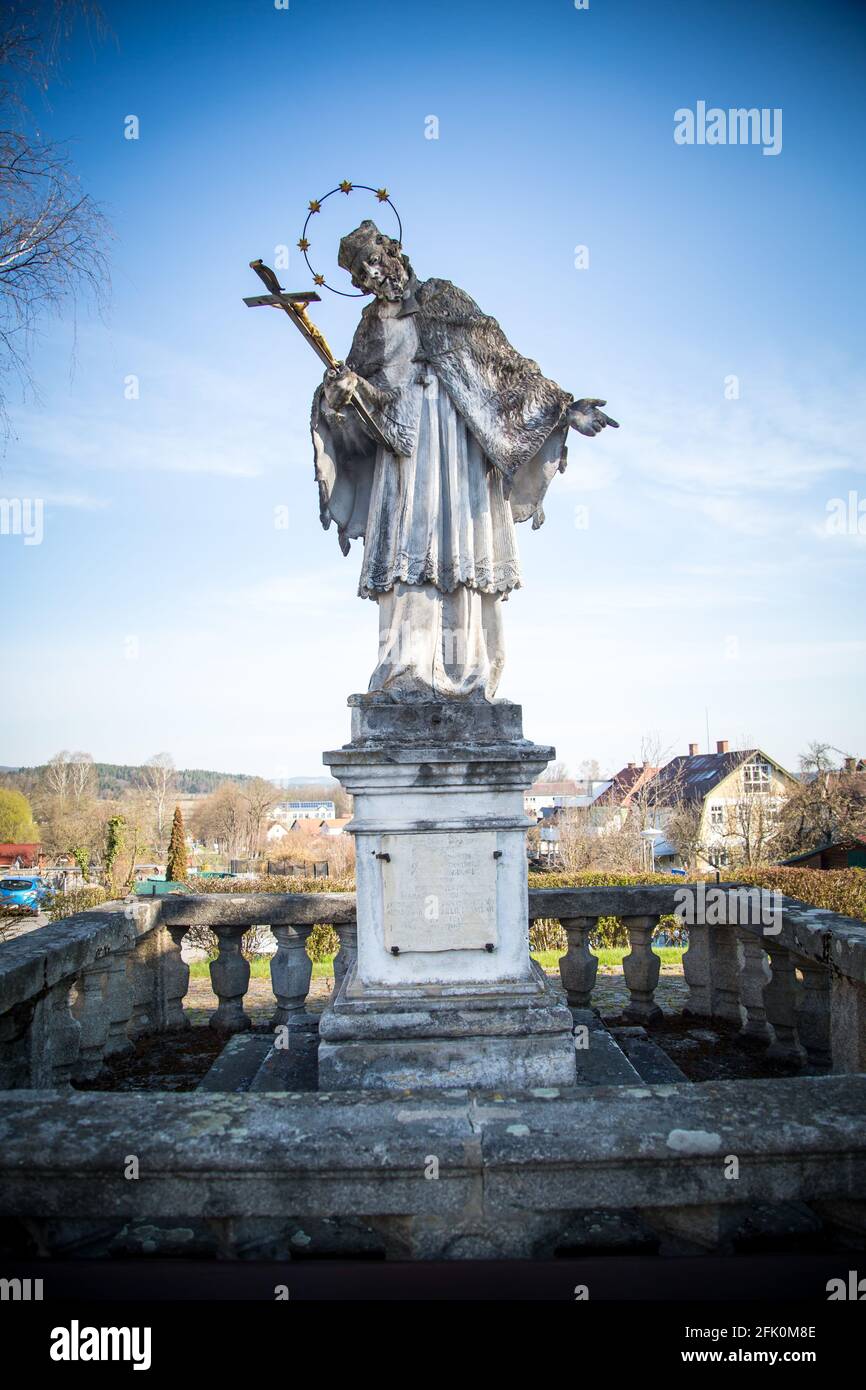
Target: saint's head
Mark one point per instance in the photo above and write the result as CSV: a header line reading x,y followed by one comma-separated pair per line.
x,y
375,262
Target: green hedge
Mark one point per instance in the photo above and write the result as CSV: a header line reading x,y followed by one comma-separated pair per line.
x,y
322,943
838,890
548,935
76,900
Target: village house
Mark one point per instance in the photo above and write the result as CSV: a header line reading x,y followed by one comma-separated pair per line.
x,y
544,797
289,811
306,825
14,856
736,796
841,854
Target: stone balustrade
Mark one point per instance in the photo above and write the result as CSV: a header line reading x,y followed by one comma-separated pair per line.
x,y
788,975
82,990
529,1174
79,990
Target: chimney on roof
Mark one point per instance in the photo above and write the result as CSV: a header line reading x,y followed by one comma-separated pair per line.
x,y
722,745
630,764
693,750
850,764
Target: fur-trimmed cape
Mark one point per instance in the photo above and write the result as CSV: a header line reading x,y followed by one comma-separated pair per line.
x,y
517,415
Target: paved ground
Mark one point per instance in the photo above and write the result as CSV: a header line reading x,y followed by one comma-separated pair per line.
x,y
610,996
19,926
178,1061
259,1003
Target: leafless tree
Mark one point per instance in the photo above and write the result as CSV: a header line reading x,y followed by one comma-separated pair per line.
x,y
828,804
82,775
589,770
52,233
57,775
157,778
259,795
683,828
751,830
555,772
222,817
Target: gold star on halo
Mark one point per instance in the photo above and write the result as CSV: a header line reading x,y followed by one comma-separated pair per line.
x,y
315,205
304,244
318,279
382,195
345,186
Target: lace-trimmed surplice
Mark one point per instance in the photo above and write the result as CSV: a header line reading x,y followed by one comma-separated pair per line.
x,y
438,516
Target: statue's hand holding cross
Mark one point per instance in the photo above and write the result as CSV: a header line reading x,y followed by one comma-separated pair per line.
x,y
339,386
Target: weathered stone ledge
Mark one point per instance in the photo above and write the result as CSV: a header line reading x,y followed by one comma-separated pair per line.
x,y
255,909
365,1154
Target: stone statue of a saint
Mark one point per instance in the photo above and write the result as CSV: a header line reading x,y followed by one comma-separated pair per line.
x,y
474,436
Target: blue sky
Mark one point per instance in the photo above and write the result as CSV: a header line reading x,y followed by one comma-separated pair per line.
x,y
165,609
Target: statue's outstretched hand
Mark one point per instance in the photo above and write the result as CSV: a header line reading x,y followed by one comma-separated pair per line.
x,y
586,417
340,384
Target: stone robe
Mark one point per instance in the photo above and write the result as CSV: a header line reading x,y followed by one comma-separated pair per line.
x,y
475,434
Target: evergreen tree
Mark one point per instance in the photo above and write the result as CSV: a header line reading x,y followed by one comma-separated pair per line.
x,y
175,867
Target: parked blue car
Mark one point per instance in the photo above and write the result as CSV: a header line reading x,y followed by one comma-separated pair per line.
x,y
24,893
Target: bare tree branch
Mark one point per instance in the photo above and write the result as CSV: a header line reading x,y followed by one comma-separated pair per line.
x,y
52,234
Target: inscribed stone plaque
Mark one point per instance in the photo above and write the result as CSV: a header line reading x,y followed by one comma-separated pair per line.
x,y
440,891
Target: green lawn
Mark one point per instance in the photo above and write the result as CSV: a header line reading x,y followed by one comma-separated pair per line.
x,y
670,955
260,968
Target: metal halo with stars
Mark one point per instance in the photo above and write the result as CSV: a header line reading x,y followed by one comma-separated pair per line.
x,y
316,206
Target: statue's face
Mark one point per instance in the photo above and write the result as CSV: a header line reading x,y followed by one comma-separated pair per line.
x,y
382,272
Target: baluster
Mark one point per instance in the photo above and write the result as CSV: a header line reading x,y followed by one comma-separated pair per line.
x,y
119,1001
91,1010
696,970
347,954
172,978
142,969
725,973
848,1023
230,977
54,1037
578,968
754,978
780,1001
16,1052
641,969
813,1012
291,972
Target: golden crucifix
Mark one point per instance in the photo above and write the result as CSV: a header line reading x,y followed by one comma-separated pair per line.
x,y
294,303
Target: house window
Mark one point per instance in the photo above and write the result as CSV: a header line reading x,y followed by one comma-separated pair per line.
x,y
756,778
718,858
717,814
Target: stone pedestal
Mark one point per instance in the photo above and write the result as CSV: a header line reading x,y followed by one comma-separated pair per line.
x,y
442,991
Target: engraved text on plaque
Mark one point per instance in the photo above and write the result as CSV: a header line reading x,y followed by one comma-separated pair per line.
x,y
440,891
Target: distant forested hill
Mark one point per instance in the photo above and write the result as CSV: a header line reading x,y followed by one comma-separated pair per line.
x,y
116,778
113,779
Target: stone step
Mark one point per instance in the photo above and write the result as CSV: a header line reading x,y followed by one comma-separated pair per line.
x,y
651,1062
294,1067
238,1063
603,1062
255,1062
